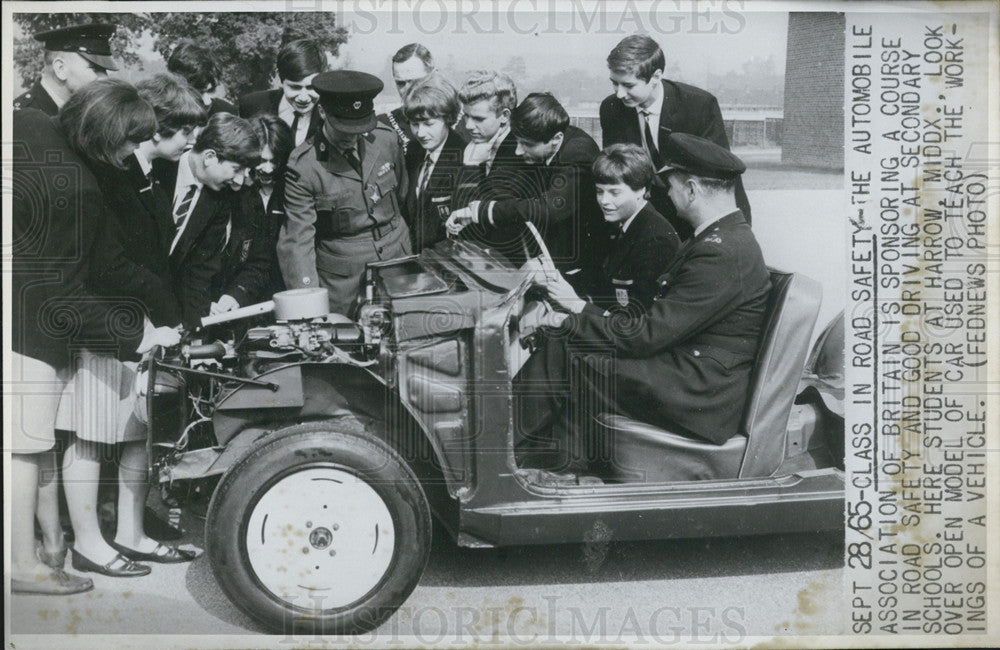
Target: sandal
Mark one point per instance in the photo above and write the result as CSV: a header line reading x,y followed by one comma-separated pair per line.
x,y
119,567
163,554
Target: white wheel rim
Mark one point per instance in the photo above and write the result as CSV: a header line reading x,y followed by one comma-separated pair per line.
x,y
320,538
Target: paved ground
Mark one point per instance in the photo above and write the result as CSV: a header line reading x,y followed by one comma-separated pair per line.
x,y
727,588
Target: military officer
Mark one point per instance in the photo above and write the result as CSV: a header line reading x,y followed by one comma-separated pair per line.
x,y
343,193
74,56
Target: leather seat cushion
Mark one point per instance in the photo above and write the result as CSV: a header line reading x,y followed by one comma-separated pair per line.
x,y
644,453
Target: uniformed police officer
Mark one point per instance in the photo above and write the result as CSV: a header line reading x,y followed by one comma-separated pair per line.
x,y
343,193
684,364
74,56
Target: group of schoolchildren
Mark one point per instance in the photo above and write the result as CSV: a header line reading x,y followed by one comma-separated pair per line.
x,y
183,205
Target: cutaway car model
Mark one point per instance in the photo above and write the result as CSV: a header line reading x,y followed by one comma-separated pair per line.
x,y
336,441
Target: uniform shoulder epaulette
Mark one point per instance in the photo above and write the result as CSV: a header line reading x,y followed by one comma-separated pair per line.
x,y
300,150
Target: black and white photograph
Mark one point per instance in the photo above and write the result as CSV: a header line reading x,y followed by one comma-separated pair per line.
x,y
497,322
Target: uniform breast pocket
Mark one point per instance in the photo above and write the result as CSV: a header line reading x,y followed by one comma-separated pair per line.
x,y
387,187
333,212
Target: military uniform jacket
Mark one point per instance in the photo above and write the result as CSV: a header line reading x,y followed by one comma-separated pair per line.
x,y
337,221
197,257
633,261
38,98
685,365
426,214
559,199
250,271
686,109
58,212
132,258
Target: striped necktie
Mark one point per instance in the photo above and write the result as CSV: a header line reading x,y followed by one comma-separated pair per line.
x,y
424,175
184,207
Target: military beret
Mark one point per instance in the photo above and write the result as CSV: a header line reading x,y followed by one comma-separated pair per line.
x,y
347,98
89,41
700,157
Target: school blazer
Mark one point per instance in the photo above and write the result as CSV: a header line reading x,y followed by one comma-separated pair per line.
x,y
427,213
197,257
686,109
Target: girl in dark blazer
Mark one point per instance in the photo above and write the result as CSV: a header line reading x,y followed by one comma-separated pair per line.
x,y
134,256
431,105
58,212
250,272
133,263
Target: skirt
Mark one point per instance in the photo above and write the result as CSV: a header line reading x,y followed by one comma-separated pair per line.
x,y
99,402
32,394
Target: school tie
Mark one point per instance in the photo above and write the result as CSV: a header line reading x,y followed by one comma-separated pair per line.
x,y
295,128
425,172
184,207
654,154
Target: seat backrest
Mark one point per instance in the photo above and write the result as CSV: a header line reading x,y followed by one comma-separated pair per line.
x,y
792,308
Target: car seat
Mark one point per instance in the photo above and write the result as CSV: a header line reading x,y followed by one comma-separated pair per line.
x,y
646,453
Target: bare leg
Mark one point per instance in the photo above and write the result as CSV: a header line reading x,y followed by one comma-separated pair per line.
x,y
81,472
133,488
47,508
25,565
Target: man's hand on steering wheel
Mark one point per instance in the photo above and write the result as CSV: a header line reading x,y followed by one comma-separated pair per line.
x,y
560,292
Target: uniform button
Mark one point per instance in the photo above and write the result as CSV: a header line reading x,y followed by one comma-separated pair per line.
x,y
697,353
306,280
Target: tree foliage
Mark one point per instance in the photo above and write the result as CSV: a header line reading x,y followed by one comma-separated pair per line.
x,y
245,43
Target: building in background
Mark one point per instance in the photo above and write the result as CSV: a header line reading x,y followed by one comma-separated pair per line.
x,y
813,126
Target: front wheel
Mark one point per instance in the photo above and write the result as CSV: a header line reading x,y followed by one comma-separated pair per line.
x,y
324,529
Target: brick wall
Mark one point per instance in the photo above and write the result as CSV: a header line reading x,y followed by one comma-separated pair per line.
x,y
813,125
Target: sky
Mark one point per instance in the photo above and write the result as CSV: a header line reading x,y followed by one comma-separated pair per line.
x,y
562,34
711,38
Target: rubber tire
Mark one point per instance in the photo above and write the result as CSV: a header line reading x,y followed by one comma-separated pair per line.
x,y
345,444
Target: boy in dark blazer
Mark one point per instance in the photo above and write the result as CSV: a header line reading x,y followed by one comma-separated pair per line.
x,y
298,63
638,243
488,100
636,65
556,192
201,186
250,272
431,106
685,363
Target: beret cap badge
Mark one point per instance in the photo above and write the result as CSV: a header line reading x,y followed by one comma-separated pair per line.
x,y
347,98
